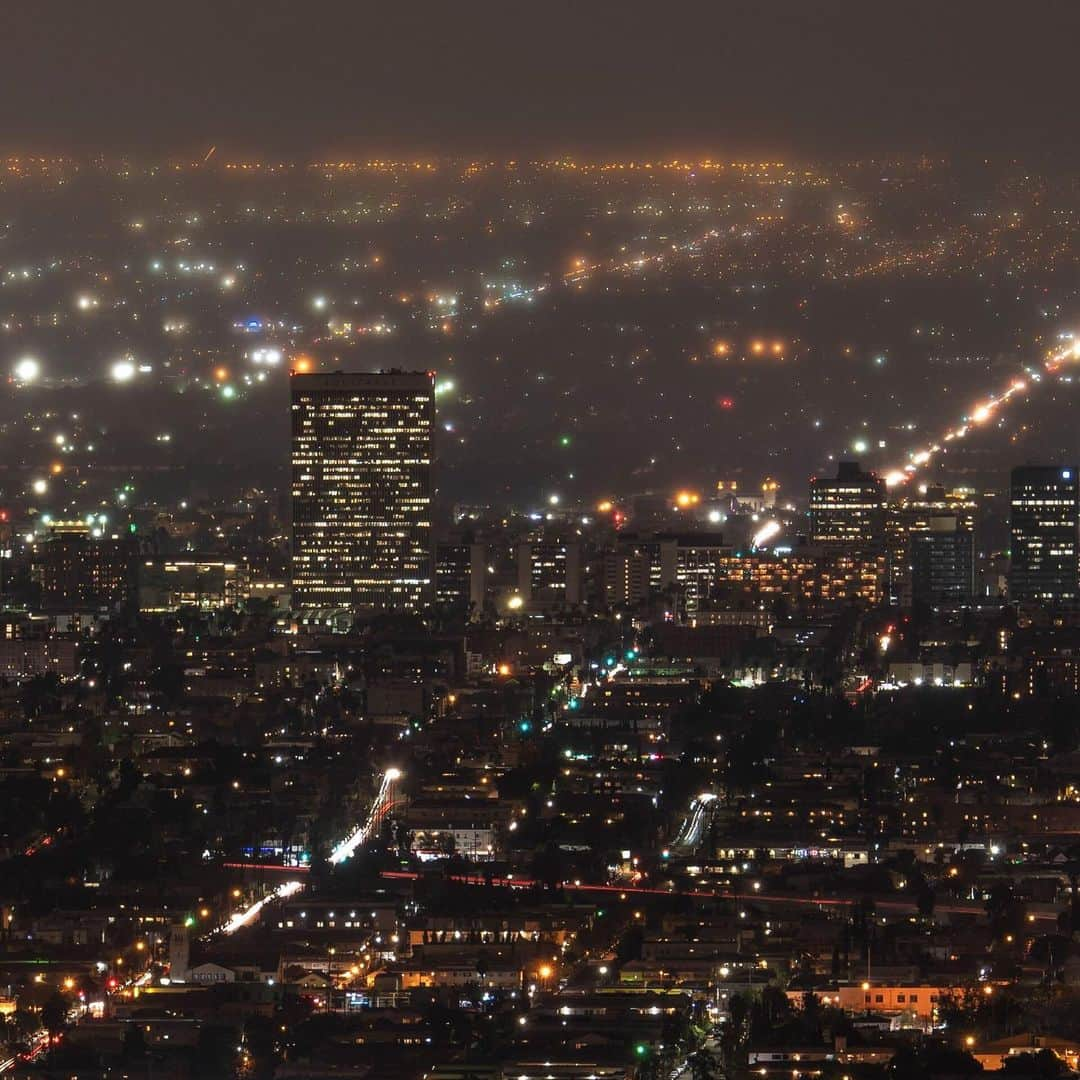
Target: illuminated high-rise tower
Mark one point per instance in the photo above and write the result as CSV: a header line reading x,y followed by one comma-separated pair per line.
x,y
361,490
848,509
1045,526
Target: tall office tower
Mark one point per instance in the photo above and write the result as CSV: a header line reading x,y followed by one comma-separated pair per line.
x,y
361,490
943,564
1045,523
848,509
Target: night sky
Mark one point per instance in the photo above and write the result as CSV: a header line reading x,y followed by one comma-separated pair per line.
x,y
788,77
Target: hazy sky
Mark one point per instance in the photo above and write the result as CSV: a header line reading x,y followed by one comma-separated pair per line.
x,y
710,75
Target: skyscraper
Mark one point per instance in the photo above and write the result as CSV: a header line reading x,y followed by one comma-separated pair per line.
x,y
361,490
1045,526
848,509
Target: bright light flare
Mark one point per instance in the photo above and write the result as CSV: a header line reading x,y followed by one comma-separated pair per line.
x,y
123,371
27,370
769,531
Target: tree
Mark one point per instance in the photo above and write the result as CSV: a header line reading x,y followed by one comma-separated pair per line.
x,y
1045,1065
134,1047
54,1014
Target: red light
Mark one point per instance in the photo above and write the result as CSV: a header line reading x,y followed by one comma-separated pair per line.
x,y
726,403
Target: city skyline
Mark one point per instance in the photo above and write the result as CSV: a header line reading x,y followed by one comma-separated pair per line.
x,y
539,543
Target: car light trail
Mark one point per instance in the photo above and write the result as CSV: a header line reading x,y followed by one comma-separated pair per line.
x,y
981,413
693,826
746,896
244,918
362,833
583,272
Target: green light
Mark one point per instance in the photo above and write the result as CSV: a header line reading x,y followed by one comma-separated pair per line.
x,y
228,392
564,440
133,528
641,1049
525,727
190,920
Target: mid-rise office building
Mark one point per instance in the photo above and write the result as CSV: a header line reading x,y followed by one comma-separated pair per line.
x,y
627,570
77,570
943,564
362,490
549,571
913,513
1044,525
206,582
848,509
460,577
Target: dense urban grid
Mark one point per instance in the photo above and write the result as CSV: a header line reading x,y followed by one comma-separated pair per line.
x,y
554,619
